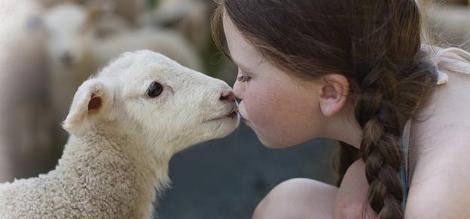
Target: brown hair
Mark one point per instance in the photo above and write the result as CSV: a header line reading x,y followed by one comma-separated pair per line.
x,y
375,44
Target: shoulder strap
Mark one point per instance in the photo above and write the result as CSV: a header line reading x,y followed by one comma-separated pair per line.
x,y
404,169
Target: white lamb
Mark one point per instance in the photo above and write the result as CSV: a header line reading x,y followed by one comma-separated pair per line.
x,y
125,124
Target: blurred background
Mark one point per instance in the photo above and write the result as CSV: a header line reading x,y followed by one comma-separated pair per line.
x,y
49,47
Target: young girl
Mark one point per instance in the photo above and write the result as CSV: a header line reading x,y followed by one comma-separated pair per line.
x,y
355,71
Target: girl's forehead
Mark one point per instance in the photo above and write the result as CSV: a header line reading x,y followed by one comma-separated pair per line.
x,y
241,51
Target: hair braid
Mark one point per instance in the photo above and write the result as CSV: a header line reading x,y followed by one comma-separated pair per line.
x,y
382,110
381,123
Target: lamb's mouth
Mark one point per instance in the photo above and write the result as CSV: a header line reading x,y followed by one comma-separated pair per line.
x,y
231,115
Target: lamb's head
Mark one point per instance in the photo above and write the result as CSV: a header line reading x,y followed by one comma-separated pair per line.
x,y
149,97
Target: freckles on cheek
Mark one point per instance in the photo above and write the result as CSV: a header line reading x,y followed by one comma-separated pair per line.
x,y
266,121
262,108
256,112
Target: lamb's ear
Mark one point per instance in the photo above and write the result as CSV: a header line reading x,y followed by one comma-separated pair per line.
x,y
91,99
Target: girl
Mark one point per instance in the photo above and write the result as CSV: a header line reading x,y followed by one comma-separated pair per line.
x,y
355,71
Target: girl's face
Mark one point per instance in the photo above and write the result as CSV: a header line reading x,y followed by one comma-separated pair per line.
x,y
282,109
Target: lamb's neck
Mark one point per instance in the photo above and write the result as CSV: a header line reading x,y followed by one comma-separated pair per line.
x,y
112,168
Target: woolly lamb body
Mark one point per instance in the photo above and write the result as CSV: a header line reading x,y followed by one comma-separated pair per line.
x,y
123,135
91,181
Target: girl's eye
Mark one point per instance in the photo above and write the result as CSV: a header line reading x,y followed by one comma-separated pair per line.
x,y
154,90
243,78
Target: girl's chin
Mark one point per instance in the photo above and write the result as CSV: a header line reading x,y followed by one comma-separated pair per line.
x,y
271,143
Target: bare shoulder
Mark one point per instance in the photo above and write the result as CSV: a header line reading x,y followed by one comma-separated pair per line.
x,y
441,178
441,130
442,141
298,198
449,102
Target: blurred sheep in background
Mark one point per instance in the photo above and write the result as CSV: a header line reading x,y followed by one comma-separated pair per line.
x,y
127,9
26,145
450,26
447,22
189,17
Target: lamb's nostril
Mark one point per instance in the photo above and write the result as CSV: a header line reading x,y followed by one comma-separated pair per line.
x,y
227,95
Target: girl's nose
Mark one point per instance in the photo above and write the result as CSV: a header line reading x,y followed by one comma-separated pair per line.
x,y
237,91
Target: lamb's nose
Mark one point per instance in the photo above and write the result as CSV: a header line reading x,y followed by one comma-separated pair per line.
x,y
227,95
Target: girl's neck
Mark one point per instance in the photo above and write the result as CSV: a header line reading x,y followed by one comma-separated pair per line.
x,y
345,128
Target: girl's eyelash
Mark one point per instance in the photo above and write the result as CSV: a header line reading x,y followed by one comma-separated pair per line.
x,y
243,78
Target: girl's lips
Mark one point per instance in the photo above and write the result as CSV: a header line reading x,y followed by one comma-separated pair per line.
x,y
241,112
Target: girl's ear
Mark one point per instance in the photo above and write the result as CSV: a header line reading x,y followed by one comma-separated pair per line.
x,y
92,99
333,93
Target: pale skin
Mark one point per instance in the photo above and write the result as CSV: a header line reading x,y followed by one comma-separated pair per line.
x,y
284,110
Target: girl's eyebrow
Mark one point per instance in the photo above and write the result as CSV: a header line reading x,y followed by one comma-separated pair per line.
x,y
229,56
240,65
243,67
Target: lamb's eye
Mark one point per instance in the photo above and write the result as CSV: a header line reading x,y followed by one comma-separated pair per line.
x,y
154,90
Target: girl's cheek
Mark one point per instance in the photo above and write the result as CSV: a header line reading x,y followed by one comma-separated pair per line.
x,y
254,110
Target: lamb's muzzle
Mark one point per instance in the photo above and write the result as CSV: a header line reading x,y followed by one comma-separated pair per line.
x,y
229,97
231,114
